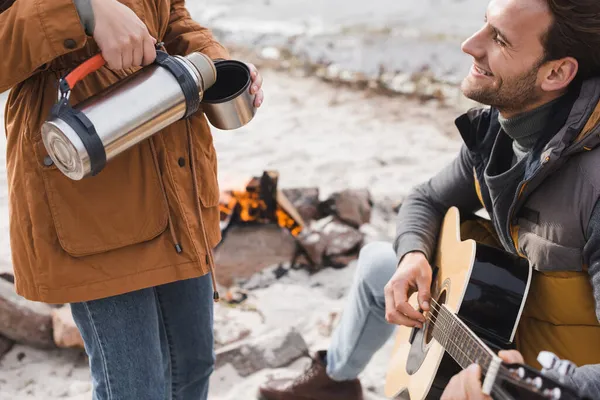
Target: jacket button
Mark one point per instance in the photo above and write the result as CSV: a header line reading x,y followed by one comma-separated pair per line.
x,y
70,43
48,161
181,162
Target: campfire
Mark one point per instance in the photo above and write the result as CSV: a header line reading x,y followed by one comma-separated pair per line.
x,y
260,203
265,226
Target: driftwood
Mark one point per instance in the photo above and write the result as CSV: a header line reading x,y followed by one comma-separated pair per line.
x,y
24,321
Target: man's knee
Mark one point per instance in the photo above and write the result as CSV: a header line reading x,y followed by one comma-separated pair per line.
x,y
376,263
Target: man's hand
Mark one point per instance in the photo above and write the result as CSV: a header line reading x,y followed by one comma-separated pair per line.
x,y
413,274
467,383
256,87
122,37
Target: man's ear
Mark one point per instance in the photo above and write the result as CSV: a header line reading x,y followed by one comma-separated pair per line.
x,y
558,74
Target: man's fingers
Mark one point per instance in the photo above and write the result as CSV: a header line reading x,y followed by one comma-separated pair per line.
x,y
424,288
400,293
511,356
392,315
397,318
473,383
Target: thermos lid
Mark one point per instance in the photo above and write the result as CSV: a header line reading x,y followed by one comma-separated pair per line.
x,y
205,67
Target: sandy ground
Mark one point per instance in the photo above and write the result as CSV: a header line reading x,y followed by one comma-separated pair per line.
x,y
314,134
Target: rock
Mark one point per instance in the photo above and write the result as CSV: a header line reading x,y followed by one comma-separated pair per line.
x,y
23,321
330,242
353,206
274,350
7,277
5,346
305,200
66,333
248,249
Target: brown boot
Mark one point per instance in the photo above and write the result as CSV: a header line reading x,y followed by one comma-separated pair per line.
x,y
313,384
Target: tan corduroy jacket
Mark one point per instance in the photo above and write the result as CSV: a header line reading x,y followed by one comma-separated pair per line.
x,y
115,232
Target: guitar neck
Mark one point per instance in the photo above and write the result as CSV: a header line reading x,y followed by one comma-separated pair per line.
x,y
458,340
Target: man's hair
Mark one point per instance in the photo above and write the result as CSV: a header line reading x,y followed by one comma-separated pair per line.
x,y
575,32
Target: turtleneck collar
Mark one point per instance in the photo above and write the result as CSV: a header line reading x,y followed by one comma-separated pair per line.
x,y
526,128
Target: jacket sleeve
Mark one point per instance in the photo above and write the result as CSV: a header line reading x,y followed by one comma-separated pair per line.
x,y
421,214
33,33
184,35
587,378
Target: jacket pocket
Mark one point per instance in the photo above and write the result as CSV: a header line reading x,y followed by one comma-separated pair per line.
x,y
121,206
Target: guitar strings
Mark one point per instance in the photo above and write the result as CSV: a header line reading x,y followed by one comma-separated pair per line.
x,y
443,319
503,371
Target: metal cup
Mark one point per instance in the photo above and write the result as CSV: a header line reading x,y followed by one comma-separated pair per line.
x,y
228,104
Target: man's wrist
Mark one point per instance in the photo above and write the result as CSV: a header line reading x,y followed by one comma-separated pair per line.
x,y
413,254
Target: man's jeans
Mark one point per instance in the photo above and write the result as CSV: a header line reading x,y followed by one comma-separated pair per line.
x,y
152,344
363,329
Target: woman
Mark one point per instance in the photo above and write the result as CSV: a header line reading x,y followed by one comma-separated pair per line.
x,y
130,248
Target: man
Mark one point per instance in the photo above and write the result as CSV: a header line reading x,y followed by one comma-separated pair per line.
x,y
130,248
531,160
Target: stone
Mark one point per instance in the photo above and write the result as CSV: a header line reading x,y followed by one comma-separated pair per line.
x,y
274,350
23,321
353,206
5,346
65,332
248,249
330,242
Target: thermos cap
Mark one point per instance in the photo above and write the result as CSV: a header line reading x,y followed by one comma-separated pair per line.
x,y
205,67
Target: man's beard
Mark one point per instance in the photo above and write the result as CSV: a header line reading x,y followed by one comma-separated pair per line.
x,y
510,96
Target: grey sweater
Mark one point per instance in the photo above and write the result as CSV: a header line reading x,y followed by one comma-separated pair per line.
x,y
415,231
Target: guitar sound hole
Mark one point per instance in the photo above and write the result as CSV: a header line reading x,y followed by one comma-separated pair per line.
x,y
433,316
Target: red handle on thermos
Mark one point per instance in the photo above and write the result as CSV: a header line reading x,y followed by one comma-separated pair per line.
x,y
87,67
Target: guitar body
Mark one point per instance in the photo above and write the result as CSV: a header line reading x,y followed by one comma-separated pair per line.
x,y
486,287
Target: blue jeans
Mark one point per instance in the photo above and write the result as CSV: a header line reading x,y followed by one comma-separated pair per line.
x,y
363,329
151,344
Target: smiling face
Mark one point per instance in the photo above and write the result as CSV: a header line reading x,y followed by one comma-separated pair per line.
x,y
508,70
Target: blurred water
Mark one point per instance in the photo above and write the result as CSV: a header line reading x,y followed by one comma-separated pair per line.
x,y
399,35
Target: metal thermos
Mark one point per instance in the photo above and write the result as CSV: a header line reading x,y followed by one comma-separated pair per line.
x,y
80,140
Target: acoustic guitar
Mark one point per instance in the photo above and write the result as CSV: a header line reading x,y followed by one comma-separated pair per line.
x,y
478,295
